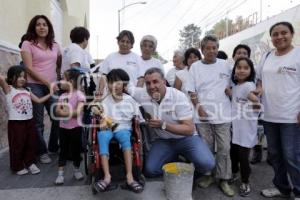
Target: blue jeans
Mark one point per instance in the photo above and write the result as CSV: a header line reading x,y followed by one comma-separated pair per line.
x,y
38,114
167,150
284,155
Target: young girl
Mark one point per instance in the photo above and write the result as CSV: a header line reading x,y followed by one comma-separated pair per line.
x,y
69,108
121,108
22,133
244,124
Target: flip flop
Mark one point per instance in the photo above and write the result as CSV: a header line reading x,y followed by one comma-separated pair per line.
x,y
103,186
134,187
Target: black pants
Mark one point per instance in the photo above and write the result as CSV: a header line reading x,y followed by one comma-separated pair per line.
x,y
240,161
70,146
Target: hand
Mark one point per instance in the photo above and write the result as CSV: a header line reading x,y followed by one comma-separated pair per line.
x,y
228,92
258,92
155,123
103,124
203,115
98,95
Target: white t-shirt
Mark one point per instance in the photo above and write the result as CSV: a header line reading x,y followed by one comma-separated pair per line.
x,y
19,104
75,54
244,118
173,107
184,77
280,76
210,82
170,77
131,63
121,112
147,64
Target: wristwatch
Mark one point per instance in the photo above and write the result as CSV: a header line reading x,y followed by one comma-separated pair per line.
x,y
164,126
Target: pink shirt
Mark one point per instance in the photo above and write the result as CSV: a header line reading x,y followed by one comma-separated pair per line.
x,y
43,60
72,100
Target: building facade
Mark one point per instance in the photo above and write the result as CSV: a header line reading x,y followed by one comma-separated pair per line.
x,y
14,19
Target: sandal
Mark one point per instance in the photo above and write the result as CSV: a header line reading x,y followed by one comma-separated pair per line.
x,y
103,186
134,187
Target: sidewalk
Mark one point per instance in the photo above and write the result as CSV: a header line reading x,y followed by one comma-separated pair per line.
x,y
36,187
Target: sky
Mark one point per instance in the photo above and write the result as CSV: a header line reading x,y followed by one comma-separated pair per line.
x,y
165,18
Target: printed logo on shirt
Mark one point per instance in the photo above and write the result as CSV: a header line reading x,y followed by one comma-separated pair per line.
x,y
287,70
130,63
22,103
241,100
223,76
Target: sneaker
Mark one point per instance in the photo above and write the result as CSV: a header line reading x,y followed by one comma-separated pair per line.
x,y
34,169
235,177
245,189
78,175
226,188
205,181
273,192
59,180
297,198
22,172
45,159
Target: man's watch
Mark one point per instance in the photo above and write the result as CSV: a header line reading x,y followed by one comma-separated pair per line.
x,y
164,126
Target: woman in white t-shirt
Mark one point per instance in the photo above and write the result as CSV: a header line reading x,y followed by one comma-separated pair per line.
x,y
123,59
244,120
148,46
178,59
279,84
182,77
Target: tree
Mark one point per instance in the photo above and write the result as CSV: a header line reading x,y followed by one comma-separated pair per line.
x,y
189,36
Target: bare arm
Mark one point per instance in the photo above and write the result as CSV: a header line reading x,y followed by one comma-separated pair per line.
x,y
252,97
102,84
58,67
4,85
259,89
201,112
177,83
185,127
27,59
78,110
36,99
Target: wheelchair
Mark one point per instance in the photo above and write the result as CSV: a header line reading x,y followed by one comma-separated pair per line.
x,y
92,160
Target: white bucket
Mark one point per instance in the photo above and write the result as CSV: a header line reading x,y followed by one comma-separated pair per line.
x,y
178,180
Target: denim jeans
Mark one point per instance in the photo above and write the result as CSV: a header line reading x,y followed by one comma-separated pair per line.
x,y
284,154
38,114
167,150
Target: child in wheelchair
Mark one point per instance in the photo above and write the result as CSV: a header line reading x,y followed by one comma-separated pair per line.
x,y
121,108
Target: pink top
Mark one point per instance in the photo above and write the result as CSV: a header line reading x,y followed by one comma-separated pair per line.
x,y
43,60
72,100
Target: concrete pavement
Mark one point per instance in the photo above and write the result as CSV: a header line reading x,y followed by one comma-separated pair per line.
x,y
36,187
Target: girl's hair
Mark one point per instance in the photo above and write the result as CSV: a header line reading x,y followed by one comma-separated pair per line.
x,y
13,73
73,75
128,34
118,75
188,52
287,24
241,46
251,77
31,34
